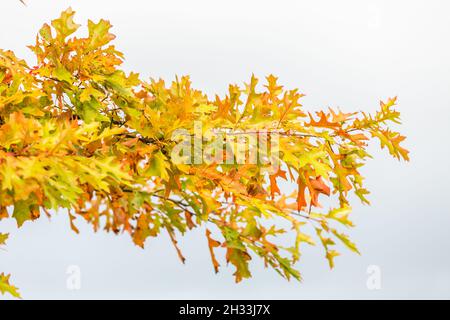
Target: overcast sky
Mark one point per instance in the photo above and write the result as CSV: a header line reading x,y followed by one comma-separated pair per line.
x,y
347,54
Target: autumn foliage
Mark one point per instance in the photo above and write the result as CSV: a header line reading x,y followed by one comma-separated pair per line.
x,y
80,136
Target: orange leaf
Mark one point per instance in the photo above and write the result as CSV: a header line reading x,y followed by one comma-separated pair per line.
x,y
322,122
273,181
317,186
301,201
189,221
213,244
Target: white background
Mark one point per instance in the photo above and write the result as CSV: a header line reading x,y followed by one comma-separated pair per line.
x,y
347,54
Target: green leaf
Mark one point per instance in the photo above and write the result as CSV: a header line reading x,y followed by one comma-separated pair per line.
x,y
62,74
22,212
158,166
240,260
232,238
346,241
3,238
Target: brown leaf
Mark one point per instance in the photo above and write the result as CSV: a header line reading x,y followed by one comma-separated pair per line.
x,y
175,244
189,221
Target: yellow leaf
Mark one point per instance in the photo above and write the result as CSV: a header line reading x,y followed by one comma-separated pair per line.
x,y
65,25
330,255
6,287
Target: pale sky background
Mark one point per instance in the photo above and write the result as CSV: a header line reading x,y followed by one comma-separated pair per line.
x,y
347,54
